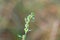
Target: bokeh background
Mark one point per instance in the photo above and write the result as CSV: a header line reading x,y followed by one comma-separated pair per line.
x,y
13,12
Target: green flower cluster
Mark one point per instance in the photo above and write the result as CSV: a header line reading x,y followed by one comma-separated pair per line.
x,y
27,21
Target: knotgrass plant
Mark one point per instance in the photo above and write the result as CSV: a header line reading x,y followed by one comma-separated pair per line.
x,y
26,29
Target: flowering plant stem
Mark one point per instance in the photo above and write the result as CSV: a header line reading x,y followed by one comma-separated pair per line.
x,y
26,29
27,21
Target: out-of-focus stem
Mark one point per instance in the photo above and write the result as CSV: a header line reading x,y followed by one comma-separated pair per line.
x,y
54,31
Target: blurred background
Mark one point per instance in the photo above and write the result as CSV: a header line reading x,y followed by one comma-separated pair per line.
x,y
13,12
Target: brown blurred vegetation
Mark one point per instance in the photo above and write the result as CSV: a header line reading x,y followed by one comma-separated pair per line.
x,y
13,12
